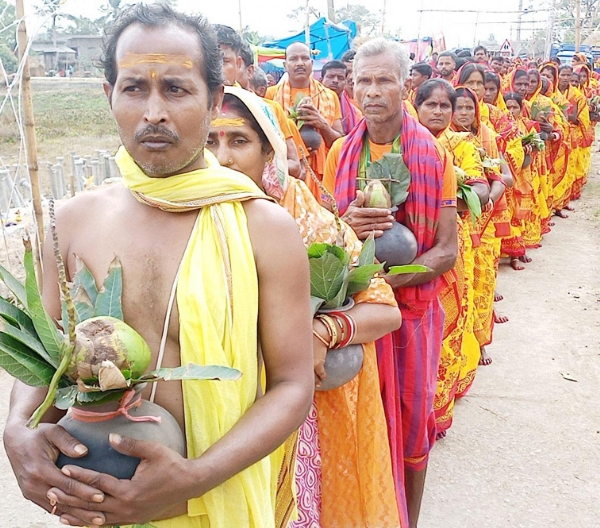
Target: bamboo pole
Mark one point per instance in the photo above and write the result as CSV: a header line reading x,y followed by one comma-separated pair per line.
x,y
307,24
577,26
30,139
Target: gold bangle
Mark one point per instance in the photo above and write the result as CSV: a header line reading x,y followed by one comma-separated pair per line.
x,y
322,339
331,327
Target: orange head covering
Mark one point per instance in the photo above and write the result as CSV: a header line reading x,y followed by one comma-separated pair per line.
x,y
520,71
554,69
580,57
463,91
578,69
538,88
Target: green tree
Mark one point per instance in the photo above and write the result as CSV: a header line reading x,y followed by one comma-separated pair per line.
x,y
8,31
565,19
364,18
8,58
252,37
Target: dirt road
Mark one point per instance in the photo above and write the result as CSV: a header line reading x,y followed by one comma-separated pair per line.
x,y
524,450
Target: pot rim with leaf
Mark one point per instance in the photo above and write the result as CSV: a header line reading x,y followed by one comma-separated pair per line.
x,y
385,185
334,280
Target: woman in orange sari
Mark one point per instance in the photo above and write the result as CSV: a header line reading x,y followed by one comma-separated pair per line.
x,y
460,348
343,470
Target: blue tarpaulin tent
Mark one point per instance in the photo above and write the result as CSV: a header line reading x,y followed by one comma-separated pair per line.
x,y
331,40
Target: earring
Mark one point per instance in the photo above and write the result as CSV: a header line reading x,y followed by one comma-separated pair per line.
x,y
229,161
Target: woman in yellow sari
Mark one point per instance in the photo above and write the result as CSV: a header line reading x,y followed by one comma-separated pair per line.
x,y
578,116
435,102
590,90
537,222
493,224
560,156
344,469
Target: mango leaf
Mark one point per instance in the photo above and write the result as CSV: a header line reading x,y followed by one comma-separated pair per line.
x,y
192,372
367,254
340,299
47,331
15,286
65,397
408,268
466,193
32,343
15,315
327,275
394,173
315,304
108,302
20,362
360,278
317,250
84,279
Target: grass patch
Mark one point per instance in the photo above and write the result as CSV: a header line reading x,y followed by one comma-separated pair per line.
x,y
63,113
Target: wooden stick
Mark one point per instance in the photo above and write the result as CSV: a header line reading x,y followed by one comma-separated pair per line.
x,y
30,139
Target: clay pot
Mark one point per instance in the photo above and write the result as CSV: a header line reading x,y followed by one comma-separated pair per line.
x,y
396,247
526,161
312,139
101,456
342,364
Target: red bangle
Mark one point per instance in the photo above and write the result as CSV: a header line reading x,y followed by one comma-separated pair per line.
x,y
350,323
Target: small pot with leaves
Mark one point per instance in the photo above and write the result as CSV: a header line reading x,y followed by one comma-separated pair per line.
x,y
334,279
95,369
385,186
310,135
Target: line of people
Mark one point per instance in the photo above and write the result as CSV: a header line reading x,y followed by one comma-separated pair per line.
x,y
484,177
520,142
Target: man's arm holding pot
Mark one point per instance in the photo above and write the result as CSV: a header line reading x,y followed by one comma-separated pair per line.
x,y
439,259
165,479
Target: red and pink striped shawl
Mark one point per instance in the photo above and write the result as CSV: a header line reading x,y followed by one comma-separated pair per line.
x,y
421,211
349,114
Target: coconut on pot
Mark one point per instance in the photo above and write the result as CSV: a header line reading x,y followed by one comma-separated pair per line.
x,y
396,246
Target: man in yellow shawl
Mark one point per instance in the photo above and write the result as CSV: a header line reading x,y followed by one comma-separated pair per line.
x,y
207,242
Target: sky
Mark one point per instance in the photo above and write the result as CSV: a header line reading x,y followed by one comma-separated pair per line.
x,y
459,29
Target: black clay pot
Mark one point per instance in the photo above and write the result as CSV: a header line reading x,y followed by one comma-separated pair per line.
x,y
396,247
341,366
527,161
101,456
312,139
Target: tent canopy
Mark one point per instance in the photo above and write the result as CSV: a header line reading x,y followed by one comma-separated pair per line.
x,y
331,40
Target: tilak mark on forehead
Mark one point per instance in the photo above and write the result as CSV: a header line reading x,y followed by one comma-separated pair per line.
x,y
135,59
227,121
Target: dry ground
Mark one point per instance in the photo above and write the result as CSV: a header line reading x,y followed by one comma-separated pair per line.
x,y
524,449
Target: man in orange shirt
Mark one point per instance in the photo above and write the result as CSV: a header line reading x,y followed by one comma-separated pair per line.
x,y
323,112
381,78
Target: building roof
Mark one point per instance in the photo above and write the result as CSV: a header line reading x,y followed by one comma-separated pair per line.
x,y
49,47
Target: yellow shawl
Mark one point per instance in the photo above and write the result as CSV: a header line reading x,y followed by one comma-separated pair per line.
x,y
217,299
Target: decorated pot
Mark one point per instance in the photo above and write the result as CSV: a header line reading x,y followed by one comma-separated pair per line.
x,y
134,417
341,364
